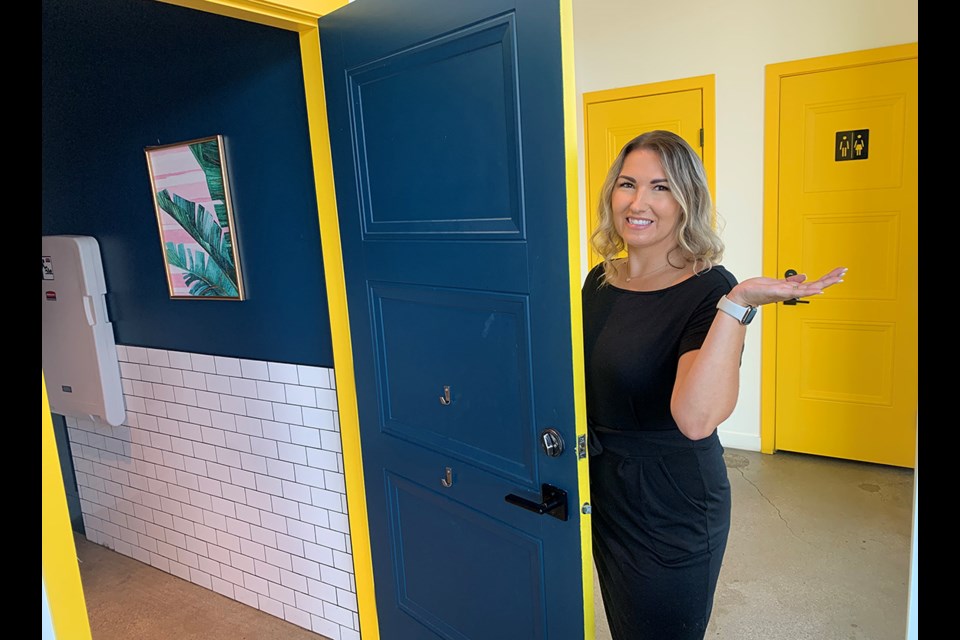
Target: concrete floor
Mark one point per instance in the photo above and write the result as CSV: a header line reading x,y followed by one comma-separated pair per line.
x,y
819,550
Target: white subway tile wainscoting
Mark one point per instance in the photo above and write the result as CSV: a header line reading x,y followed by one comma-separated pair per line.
x,y
227,473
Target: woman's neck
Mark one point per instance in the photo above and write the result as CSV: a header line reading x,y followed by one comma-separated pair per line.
x,y
638,265
644,272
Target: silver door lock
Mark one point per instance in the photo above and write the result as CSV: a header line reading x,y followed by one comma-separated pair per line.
x,y
552,442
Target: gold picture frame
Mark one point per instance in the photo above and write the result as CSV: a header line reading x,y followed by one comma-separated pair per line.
x,y
191,197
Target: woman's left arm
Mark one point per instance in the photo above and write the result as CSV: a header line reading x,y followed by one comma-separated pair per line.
x,y
708,379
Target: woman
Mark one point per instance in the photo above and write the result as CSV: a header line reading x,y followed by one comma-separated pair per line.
x,y
664,332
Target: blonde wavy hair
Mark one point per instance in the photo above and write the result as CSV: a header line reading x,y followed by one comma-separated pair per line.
x,y
698,242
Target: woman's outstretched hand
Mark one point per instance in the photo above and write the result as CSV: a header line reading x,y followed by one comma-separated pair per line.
x,y
759,291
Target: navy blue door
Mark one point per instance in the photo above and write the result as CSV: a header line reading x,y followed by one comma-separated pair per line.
x,y
447,135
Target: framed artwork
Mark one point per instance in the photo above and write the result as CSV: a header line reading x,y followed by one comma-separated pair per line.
x,y
191,196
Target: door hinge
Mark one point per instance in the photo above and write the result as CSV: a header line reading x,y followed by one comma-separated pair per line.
x,y
581,447
701,137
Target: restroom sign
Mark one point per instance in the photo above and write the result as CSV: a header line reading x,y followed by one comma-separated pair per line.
x,y
47,268
852,145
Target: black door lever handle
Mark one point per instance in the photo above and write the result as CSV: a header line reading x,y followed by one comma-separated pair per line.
x,y
793,301
553,502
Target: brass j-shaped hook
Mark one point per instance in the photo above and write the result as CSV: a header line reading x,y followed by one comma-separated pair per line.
x,y
445,398
447,479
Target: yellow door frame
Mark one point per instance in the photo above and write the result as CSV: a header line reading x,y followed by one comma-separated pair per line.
x,y
771,191
59,570
576,307
65,594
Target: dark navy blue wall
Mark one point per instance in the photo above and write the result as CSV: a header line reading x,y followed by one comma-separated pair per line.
x,y
120,75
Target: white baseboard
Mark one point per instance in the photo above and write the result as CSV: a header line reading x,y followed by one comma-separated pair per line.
x,y
734,440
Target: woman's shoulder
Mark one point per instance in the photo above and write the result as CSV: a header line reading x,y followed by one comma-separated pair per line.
x,y
710,283
717,275
594,276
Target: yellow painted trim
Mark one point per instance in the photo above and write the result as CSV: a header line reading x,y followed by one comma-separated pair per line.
x,y
638,90
771,190
771,222
291,15
60,571
576,307
708,92
340,332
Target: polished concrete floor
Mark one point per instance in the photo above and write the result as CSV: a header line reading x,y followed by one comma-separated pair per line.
x,y
819,550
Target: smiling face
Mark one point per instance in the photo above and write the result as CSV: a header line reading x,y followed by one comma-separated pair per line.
x,y
655,200
645,213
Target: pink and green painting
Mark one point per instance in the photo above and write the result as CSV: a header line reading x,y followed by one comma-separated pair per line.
x,y
194,216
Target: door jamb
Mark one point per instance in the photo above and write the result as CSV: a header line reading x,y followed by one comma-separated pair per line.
x,y
576,311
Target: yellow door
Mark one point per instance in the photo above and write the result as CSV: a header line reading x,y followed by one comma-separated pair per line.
x,y
846,374
613,118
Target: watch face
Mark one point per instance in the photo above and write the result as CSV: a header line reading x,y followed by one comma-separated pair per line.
x,y
748,316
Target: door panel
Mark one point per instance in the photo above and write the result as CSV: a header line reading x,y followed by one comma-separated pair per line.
x,y
440,543
847,362
416,99
447,136
429,339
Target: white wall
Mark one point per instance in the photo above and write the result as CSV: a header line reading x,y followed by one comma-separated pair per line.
x,y
620,43
227,473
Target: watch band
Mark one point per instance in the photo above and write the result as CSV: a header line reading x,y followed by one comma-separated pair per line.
x,y
742,314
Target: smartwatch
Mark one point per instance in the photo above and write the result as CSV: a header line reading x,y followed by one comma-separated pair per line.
x,y
742,314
